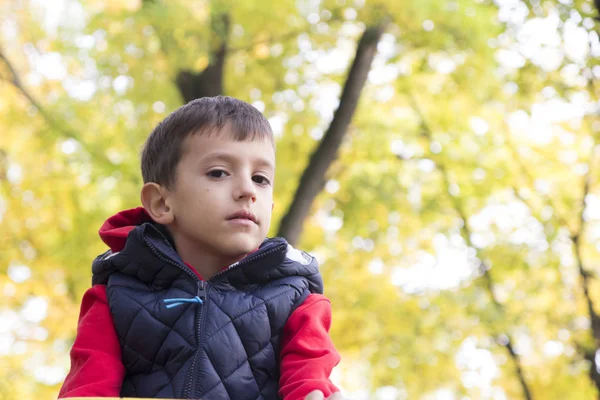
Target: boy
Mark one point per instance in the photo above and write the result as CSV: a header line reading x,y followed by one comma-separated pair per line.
x,y
191,300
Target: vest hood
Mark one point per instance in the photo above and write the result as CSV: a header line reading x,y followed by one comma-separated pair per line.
x,y
142,248
114,231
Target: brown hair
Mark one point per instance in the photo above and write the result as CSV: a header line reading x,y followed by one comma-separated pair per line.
x,y
208,115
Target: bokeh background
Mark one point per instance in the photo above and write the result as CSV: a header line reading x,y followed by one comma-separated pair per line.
x,y
453,201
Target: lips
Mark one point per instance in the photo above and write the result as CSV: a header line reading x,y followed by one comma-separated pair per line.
x,y
243,215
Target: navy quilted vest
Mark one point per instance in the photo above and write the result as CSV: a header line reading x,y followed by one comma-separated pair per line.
x,y
227,346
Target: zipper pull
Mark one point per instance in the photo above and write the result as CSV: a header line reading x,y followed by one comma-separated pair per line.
x,y
201,290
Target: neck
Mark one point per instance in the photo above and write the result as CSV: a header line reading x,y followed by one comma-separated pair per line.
x,y
204,261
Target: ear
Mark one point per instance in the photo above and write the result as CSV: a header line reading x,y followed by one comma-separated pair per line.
x,y
154,200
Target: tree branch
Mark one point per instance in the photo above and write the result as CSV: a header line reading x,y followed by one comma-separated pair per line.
x,y
576,234
16,82
590,357
281,38
519,368
583,273
427,133
313,177
525,172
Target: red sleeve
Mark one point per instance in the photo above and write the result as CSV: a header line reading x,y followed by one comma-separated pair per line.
x,y
307,352
96,368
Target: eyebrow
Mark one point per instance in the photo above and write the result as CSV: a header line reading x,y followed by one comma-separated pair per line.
x,y
219,155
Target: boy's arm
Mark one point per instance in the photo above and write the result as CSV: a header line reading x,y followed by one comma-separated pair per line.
x,y
307,352
96,368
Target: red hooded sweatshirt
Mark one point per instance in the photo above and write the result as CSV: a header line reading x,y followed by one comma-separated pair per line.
x,y
307,353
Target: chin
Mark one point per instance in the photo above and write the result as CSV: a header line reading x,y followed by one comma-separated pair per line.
x,y
243,247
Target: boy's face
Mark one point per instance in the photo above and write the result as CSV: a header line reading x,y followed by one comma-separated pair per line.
x,y
223,195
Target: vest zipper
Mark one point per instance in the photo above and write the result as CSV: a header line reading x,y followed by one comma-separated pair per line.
x,y
244,262
201,292
203,288
191,381
159,254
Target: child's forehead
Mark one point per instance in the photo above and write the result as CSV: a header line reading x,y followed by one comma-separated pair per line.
x,y
259,150
234,133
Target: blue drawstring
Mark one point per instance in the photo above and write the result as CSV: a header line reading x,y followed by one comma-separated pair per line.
x,y
177,302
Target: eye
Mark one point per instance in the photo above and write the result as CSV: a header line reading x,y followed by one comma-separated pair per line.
x,y
218,173
261,180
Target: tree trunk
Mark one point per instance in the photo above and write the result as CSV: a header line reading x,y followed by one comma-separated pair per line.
x,y
209,82
313,178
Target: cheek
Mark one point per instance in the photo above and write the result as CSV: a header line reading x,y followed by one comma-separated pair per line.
x,y
267,204
265,209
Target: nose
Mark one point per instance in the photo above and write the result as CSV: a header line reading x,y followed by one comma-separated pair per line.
x,y
245,189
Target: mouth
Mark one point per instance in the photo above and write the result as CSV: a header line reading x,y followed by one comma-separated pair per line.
x,y
243,216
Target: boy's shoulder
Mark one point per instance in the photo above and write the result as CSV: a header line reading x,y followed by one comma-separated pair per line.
x,y
298,255
291,263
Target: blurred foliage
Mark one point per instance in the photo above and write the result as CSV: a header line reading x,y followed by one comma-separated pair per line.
x,y
446,226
